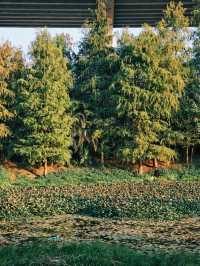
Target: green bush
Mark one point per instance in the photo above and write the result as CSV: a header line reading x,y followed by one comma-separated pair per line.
x,y
185,173
141,200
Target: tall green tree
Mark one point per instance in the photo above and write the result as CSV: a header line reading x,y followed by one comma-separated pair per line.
x,y
188,117
65,43
44,106
93,69
10,63
148,87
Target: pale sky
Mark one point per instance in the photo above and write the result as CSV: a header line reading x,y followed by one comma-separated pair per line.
x,y
22,37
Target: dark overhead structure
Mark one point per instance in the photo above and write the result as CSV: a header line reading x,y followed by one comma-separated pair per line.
x,y
72,13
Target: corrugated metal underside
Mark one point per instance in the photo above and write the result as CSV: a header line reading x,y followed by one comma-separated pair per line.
x,y
73,13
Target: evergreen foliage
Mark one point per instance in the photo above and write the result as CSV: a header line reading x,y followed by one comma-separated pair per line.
x,y
149,85
65,43
94,67
130,104
188,121
44,106
10,63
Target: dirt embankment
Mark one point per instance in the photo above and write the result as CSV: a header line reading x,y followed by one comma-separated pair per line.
x,y
16,170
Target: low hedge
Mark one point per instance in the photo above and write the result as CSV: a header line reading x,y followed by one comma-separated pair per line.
x,y
144,200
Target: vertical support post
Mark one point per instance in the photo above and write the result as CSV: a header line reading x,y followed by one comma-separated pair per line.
x,y
110,6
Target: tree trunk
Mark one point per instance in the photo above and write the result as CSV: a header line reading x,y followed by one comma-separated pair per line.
x,y
191,154
102,158
155,163
187,155
1,157
45,168
140,168
102,154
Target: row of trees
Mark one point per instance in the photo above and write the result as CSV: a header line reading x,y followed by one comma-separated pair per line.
x,y
137,102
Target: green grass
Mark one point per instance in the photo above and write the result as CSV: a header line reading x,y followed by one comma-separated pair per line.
x,y
79,176
112,193
4,177
89,254
72,176
103,192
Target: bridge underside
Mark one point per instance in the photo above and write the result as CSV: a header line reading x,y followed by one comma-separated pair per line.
x,y
72,13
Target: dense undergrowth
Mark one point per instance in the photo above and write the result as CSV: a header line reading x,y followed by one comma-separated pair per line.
x,y
90,254
138,200
104,192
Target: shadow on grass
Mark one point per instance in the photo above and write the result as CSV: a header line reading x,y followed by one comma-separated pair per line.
x,y
89,254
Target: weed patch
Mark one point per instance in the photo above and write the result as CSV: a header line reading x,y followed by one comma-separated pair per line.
x,y
138,200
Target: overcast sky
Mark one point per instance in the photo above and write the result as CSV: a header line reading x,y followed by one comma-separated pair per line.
x,y
22,37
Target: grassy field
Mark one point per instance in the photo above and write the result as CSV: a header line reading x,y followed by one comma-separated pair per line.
x,y
158,200
90,254
100,216
78,176
71,176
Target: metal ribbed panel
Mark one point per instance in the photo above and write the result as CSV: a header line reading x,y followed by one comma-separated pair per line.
x,y
72,13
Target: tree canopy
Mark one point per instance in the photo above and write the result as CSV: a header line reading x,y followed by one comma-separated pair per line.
x,y
94,67
132,104
10,63
149,84
44,105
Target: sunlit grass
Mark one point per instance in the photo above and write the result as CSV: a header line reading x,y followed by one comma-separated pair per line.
x,y
79,176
